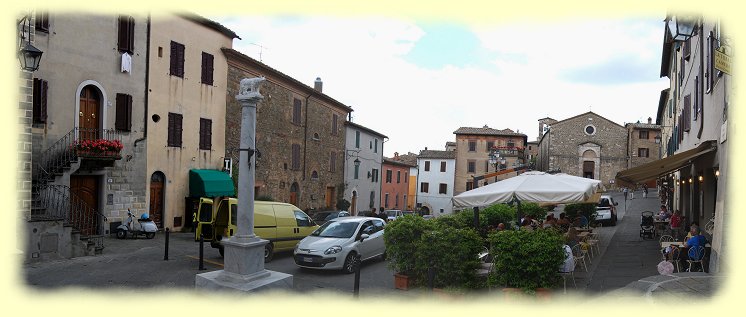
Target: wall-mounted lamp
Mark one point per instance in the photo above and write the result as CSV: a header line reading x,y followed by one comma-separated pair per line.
x,y
690,180
717,173
701,179
658,139
369,174
356,162
682,27
28,55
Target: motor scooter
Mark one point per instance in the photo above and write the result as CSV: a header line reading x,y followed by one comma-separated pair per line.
x,y
144,226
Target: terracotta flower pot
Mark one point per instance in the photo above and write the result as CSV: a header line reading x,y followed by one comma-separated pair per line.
x,y
401,281
543,293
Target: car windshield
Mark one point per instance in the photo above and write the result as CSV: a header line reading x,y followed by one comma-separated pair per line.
x,y
604,202
391,213
321,216
334,229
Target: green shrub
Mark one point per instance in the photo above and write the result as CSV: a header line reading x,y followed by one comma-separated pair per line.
x,y
447,221
534,210
402,238
465,219
452,252
499,213
586,209
526,259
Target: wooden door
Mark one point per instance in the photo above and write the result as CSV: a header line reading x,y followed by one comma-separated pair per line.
x,y
89,113
294,194
156,198
353,205
330,197
85,187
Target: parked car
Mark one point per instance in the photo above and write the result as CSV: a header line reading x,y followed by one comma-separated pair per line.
x,y
393,214
322,217
336,244
606,210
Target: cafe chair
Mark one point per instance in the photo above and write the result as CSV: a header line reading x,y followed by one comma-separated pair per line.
x,y
579,256
675,258
696,255
666,238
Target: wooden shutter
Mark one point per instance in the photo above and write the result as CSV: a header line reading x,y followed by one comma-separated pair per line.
x,y
205,134
332,162
296,110
39,101
687,112
295,164
334,124
207,68
123,120
174,129
687,48
42,21
177,59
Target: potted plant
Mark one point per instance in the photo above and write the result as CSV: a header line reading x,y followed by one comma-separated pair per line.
x,y
526,260
98,147
452,252
401,238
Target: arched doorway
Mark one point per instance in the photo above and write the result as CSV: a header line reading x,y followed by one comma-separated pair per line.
x,y
294,191
353,204
156,198
589,164
89,115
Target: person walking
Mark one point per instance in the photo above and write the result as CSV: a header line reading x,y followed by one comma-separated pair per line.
x,y
644,191
626,191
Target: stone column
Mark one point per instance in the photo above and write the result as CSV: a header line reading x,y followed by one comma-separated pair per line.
x,y
244,251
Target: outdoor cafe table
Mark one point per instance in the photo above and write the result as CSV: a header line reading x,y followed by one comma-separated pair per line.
x,y
679,244
581,230
583,234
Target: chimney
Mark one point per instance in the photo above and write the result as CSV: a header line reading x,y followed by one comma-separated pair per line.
x,y
317,85
396,155
426,148
650,120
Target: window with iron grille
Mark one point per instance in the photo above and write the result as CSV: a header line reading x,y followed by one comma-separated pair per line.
x,y
174,129
177,60
123,120
40,100
205,134
207,68
126,34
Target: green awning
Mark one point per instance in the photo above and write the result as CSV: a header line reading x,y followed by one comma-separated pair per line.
x,y
210,183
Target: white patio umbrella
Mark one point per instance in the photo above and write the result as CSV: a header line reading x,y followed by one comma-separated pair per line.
x,y
532,186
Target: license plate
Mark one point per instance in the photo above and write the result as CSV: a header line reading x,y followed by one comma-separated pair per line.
x,y
307,259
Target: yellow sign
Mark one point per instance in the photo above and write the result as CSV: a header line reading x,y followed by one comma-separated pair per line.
x,y
722,61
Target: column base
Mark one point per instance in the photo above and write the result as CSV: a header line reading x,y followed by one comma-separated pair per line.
x,y
259,282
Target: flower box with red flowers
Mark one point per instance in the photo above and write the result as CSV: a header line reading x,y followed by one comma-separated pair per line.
x,y
99,148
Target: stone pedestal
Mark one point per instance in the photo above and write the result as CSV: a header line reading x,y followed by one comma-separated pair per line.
x,y
244,269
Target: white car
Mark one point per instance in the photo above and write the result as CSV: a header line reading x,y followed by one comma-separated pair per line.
x,y
606,210
337,243
393,214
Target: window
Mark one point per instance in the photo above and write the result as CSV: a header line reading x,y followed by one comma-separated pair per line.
x,y
177,60
174,129
123,120
315,175
643,152
511,143
375,149
42,21
443,188
687,48
644,134
398,177
396,201
386,200
389,175
126,38
406,176
335,117
427,166
424,187
295,160
357,139
332,162
490,145
471,167
695,106
710,57
670,109
40,101
443,166
357,171
205,134
296,111
469,185
590,130
687,116
207,68
374,175
472,146
301,219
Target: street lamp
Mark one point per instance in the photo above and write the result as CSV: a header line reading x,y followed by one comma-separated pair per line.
x,y
29,56
356,162
681,27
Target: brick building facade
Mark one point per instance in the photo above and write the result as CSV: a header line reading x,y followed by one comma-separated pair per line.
x,y
472,154
643,144
299,133
586,145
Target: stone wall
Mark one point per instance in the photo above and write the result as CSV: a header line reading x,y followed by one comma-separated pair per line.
x,y
276,133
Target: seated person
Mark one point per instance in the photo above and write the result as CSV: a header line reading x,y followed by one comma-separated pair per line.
x,y
563,222
663,214
549,222
571,237
580,221
697,239
500,226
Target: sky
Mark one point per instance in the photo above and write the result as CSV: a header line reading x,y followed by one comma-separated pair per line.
x,y
417,81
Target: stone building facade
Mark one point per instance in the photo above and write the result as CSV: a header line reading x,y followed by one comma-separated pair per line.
x,y
586,145
643,144
300,135
472,150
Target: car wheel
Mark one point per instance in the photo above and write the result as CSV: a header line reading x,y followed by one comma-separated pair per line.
x,y
121,234
613,222
351,263
268,252
150,235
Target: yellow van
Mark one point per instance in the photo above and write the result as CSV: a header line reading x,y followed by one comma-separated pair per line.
x,y
280,223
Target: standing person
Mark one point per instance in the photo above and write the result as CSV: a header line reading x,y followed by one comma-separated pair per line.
x,y
382,215
626,191
644,191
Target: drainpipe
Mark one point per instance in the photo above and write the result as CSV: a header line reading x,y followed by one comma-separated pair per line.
x,y
700,84
305,138
147,85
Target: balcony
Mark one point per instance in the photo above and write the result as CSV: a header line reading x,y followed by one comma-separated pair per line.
x,y
97,148
510,151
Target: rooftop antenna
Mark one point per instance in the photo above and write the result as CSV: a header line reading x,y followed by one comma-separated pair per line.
x,y
261,49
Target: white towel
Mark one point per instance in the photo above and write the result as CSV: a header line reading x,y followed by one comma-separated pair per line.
x,y
126,63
